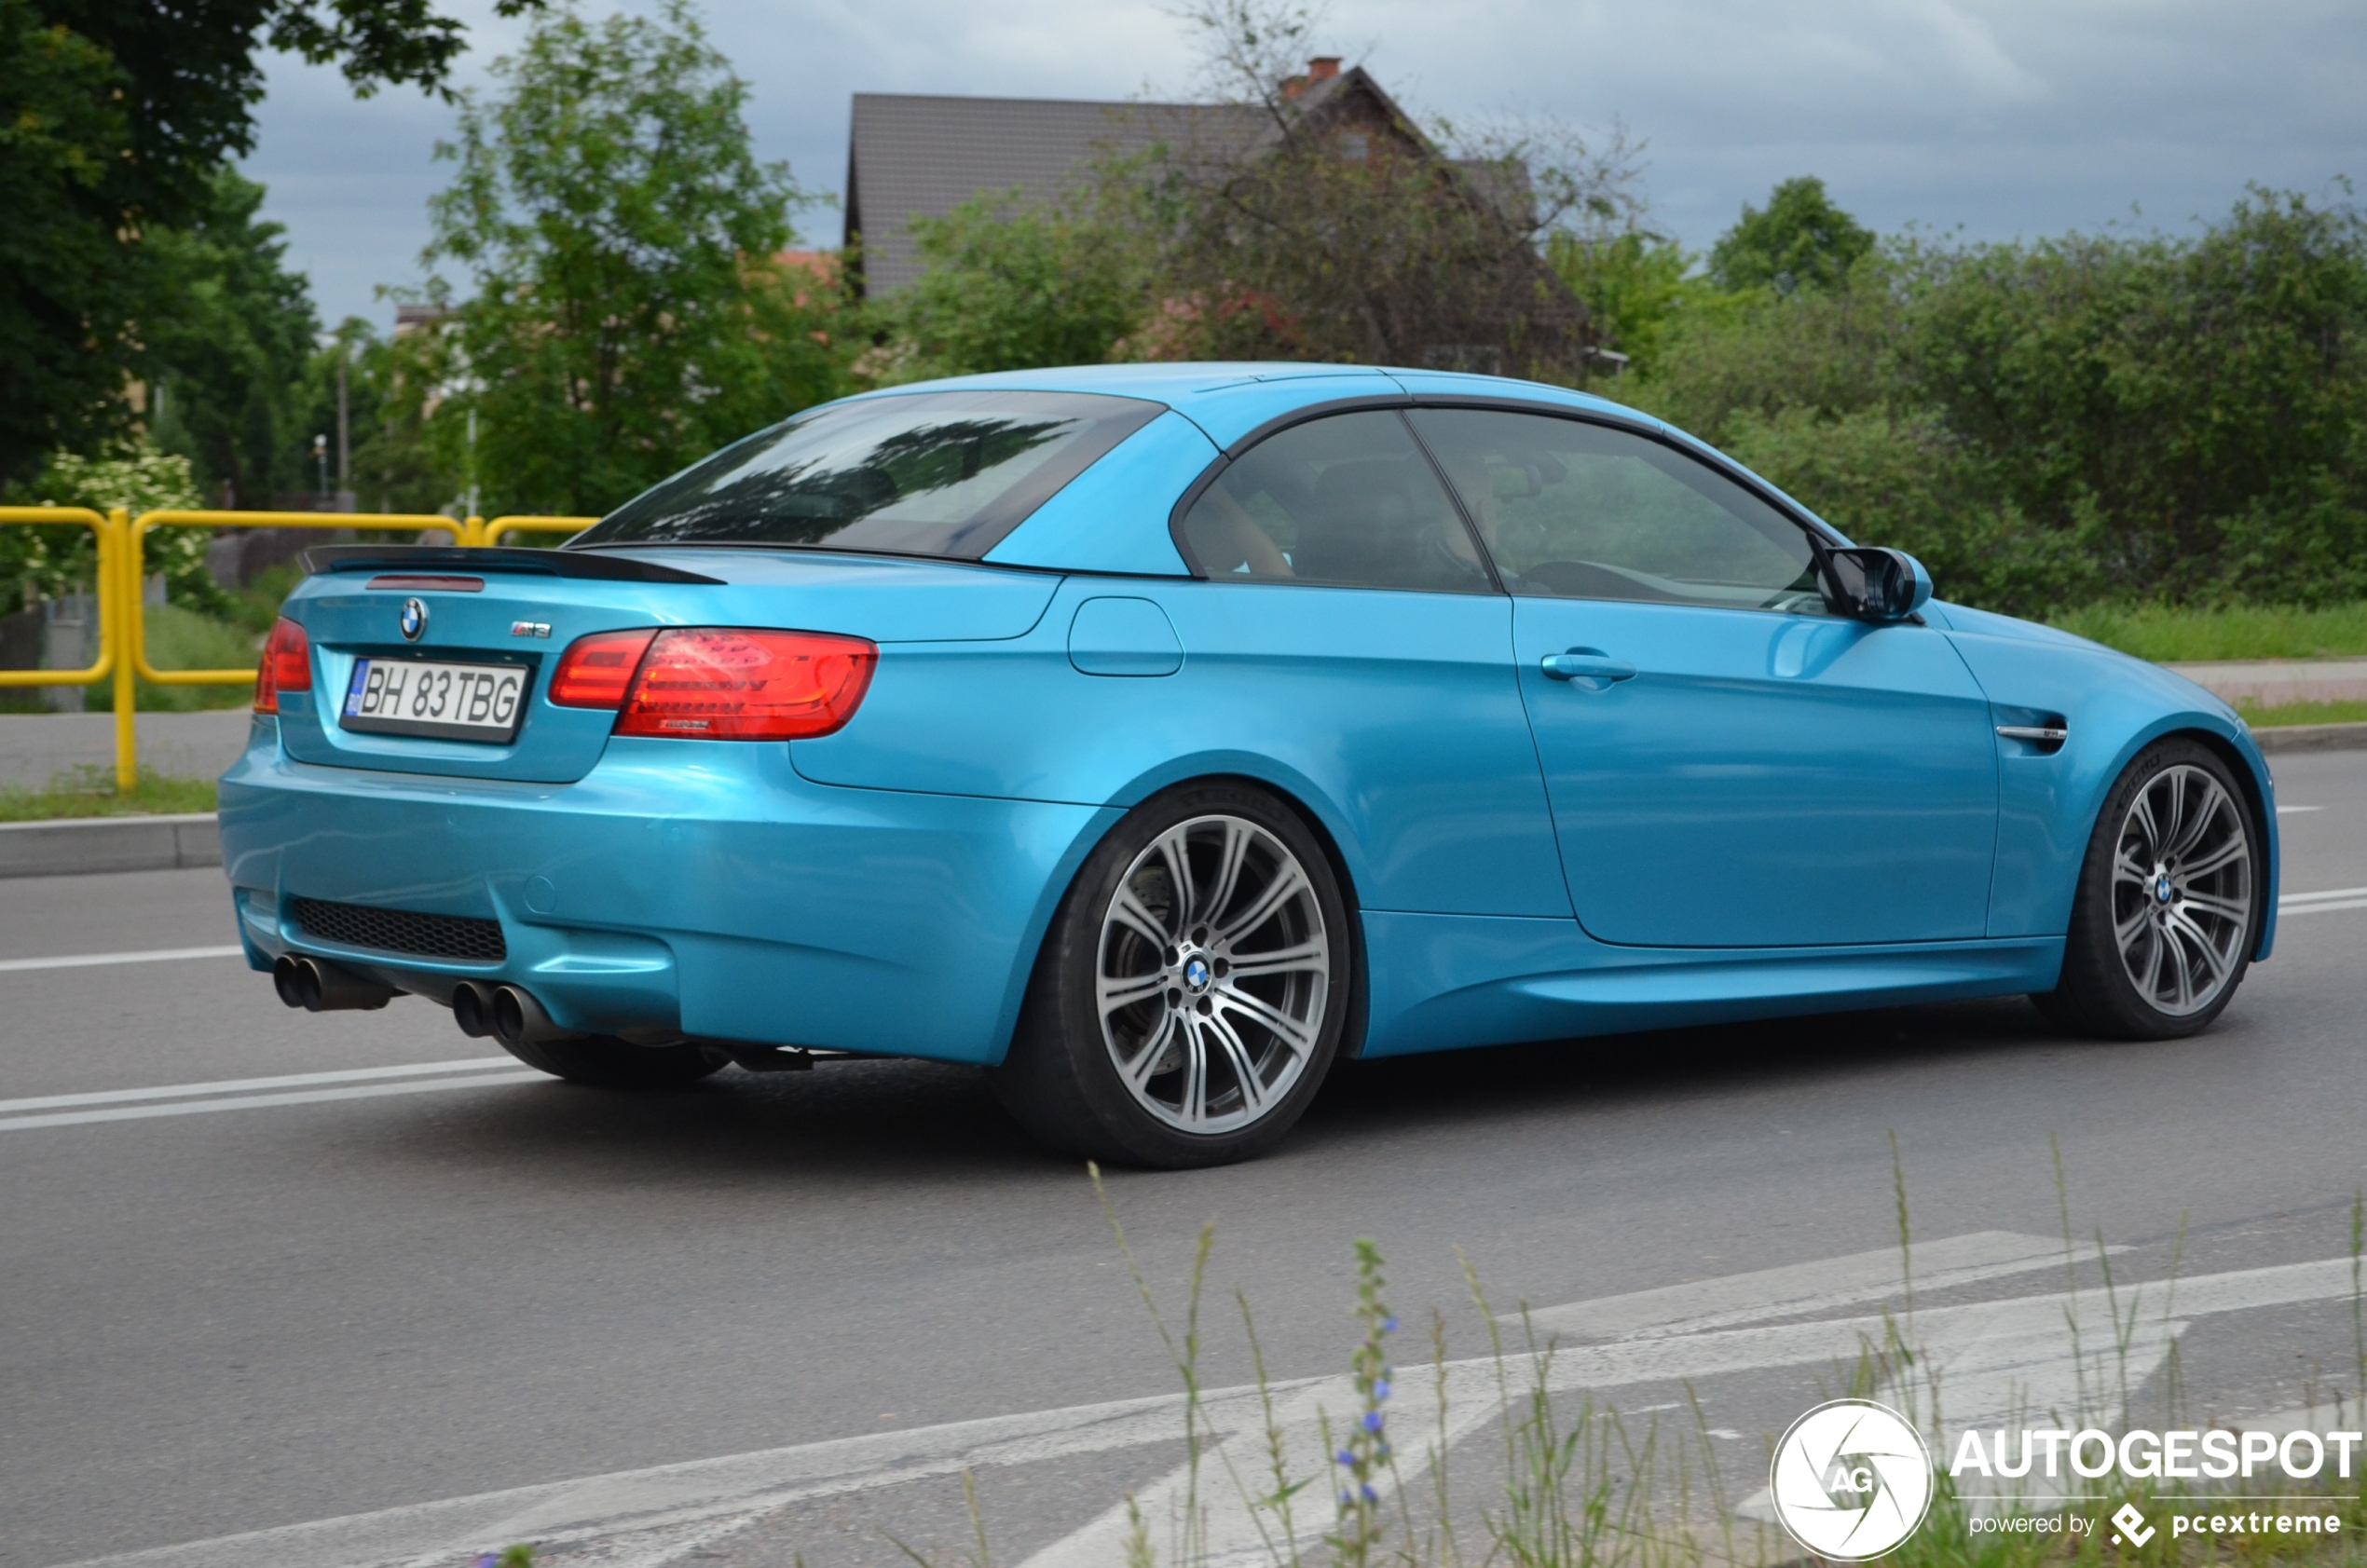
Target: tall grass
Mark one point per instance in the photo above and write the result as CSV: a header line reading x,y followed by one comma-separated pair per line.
x,y
1581,1487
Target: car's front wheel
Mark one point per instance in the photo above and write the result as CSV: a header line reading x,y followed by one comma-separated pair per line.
x,y
1192,990
2170,903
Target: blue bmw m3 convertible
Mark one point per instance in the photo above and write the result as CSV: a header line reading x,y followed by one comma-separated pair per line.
x,y
1155,736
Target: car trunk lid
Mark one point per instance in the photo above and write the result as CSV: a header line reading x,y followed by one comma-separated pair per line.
x,y
519,609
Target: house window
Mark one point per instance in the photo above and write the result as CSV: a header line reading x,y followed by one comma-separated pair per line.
x,y
1354,146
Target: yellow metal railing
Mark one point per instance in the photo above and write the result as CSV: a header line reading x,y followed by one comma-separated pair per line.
x,y
123,635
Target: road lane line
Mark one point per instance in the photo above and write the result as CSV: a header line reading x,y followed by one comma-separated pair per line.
x,y
236,1086
248,1102
1797,1289
92,961
727,1491
2315,903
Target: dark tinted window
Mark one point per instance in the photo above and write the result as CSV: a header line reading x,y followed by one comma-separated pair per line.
x,y
1348,501
1579,510
925,473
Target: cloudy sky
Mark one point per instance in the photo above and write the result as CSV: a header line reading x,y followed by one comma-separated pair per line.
x,y
1995,118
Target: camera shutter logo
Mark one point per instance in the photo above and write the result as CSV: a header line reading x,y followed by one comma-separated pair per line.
x,y
415,619
1851,1480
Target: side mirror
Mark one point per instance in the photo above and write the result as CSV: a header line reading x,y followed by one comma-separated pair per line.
x,y
1871,584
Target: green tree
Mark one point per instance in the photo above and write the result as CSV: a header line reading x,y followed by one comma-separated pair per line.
x,y
1638,287
231,342
1010,286
631,312
115,116
67,282
1800,241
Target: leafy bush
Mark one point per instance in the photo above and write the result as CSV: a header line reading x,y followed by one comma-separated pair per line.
x,y
2071,420
41,562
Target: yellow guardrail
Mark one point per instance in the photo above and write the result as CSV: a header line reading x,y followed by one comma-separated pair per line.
x,y
123,634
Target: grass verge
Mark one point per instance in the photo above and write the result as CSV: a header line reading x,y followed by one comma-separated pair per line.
x,y
89,791
178,639
2303,713
2172,637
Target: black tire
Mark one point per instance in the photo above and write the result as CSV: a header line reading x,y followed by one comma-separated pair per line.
x,y
1183,1098
609,1063
2182,926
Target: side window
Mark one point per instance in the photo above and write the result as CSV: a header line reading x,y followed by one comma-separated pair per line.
x,y
1347,500
1577,510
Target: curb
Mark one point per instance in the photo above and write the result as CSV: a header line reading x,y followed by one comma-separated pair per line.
x,y
76,845
2275,738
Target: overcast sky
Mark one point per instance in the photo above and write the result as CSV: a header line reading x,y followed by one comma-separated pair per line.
x,y
1998,117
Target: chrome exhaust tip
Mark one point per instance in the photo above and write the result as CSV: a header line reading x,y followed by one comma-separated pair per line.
x,y
473,1009
518,1019
324,988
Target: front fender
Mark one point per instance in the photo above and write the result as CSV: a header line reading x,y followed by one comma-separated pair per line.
x,y
2113,706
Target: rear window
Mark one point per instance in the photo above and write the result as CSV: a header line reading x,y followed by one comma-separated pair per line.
x,y
923,473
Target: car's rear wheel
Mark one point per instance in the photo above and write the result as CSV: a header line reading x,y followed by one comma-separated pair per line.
x,y
609,1063
1192,990
2169,902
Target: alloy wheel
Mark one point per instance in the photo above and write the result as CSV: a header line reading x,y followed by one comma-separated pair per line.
x,y
2183,890
1213,974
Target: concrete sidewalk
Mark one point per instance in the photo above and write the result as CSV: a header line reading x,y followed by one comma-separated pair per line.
x,y
2272,681
36,747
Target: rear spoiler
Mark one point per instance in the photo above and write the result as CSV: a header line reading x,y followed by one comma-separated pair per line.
x,y
323,558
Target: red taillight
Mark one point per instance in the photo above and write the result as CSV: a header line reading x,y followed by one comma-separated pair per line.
x,y
597,672
286,666
719,684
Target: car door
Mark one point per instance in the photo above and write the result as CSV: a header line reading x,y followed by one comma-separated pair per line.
x,y
1346,627
1730,764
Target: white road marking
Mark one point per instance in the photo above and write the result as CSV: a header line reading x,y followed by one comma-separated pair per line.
x,y
92,961
2288,811
1797,1289
649,1517
236,1086
2317,903
250,1102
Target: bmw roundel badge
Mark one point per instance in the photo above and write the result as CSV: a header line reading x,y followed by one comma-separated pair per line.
x,y
415,619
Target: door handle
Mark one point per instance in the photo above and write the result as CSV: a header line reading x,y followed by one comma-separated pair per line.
x,y
1587,663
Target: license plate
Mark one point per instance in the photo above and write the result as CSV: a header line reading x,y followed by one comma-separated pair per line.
x,y
426,697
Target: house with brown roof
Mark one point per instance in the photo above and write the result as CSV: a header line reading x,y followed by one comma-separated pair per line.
x,y
920,155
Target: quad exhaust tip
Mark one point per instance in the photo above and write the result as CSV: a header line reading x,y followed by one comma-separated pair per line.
x,y
506,1013
324,988
473,1009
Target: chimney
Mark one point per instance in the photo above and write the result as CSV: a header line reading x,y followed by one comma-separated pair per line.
x,y
1323,68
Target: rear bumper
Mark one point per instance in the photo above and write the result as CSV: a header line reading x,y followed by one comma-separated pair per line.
x,y
699,886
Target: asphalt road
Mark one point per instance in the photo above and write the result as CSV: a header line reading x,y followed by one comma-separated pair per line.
x,y
350,1308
